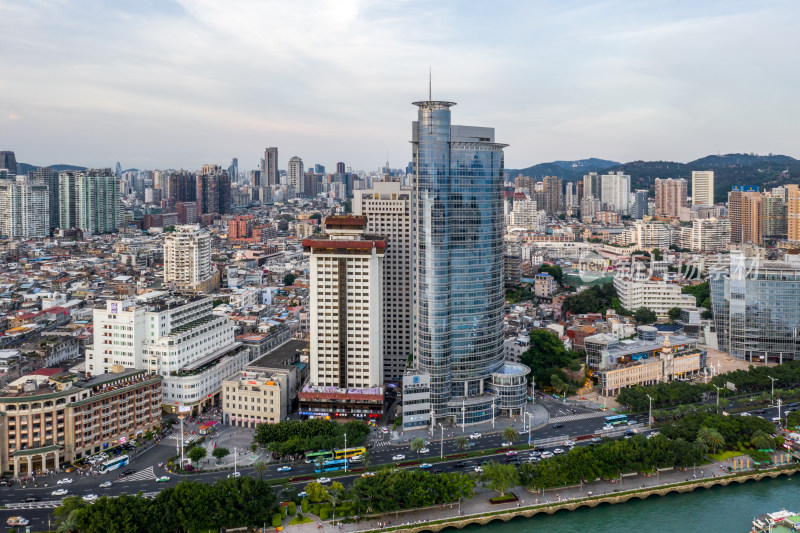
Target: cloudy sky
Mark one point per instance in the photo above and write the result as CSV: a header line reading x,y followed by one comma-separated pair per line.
x,y
175,84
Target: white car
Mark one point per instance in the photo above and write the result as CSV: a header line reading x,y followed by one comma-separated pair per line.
x,y
745,414
398,457
424,450
479,469
234,475
558,451
547,455
284,469
475,436
90,497
324,480
60,492
105,484
368,474
511,453
65,481
384,430
631,423
569,443
507,444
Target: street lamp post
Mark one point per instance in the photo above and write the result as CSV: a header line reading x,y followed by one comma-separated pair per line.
x,y
772,391
530,429
718,389
181,419
492,412
235,453
650,413
441,442
345,453
463,414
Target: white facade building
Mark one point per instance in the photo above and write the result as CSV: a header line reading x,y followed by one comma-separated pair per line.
x,y
346,276
526,215
24,208
659,296
187,259
709,235
175,336
387,208
616,192
703,187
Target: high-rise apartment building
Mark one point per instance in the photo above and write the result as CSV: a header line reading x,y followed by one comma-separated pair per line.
x,y
8,161
457,218
271,176
187,260
89,201
213,191
525,214
744,209
50,177
346,277
773,216
24,208
340,168
793,212
295,174
702,187
639,206
671,195
553,188
387,208
592,185
615,192
182,187
706,235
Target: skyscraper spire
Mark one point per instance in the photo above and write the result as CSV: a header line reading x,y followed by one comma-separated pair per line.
x,y
430,85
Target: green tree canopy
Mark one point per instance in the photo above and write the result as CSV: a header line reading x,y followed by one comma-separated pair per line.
x,y
644,315
220,453
554,270
288,279
546,356
701,293
595,299
674,313
197,453
499,476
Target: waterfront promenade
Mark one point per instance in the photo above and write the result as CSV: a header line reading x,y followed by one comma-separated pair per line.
x,y
549,501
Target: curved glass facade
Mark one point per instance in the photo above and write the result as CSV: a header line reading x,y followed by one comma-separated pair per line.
x,y
510,388
458,258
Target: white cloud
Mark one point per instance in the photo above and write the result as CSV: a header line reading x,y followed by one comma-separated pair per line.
x,y
157,84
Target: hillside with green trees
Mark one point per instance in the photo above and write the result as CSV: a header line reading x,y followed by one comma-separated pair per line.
x,y
547,359
595,299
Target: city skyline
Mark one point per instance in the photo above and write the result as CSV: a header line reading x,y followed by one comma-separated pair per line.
x,y
145,84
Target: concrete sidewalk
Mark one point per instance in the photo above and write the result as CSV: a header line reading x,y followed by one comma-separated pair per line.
x,y
480,502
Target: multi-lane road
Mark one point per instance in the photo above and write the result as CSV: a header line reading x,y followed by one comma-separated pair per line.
x,y
144,480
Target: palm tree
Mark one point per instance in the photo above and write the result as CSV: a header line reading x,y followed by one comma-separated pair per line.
x,y
710,437
366,458
510,435
462,442
260,467
417,445
334,496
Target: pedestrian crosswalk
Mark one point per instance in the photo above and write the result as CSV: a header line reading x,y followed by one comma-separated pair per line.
x,y
581,416
382,443
145,475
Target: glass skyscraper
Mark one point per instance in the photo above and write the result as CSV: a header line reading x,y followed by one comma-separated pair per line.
x,y
457,221
756,311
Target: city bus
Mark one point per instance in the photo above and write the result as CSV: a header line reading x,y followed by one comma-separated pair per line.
x,y
113,464
311,457
350,453
331,465
616,420
208,428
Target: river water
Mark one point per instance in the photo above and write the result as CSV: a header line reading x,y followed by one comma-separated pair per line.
x,y
728,509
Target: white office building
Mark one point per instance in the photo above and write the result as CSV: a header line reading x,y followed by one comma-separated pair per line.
x,y
387,208
177,337
526,215
640,290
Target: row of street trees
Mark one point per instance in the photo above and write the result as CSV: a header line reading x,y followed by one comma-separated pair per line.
x,y
295,436
189,506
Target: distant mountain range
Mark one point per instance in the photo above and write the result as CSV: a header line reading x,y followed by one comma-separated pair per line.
x,y
25,168
765,171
